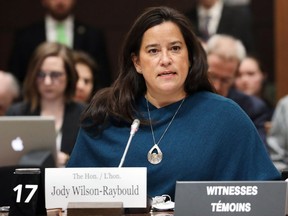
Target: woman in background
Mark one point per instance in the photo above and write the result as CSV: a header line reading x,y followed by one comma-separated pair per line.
x,y
87,73
251,79
49,88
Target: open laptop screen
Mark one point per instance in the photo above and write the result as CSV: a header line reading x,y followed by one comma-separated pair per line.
x,y
20,135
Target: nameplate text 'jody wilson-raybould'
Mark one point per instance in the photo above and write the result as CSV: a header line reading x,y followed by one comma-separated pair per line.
x,y
126,185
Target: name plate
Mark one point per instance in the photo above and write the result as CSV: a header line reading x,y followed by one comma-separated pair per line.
x,y
249,198
126,185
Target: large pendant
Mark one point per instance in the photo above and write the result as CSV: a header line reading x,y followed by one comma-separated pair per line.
x,y
155,155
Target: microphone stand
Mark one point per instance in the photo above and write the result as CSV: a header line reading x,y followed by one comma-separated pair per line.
x,y
134,128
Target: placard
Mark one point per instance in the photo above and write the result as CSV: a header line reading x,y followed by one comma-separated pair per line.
x,y
233,198
127,185
28,193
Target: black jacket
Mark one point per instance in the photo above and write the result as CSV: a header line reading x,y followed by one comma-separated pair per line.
x,y
255,108
235,21
86,38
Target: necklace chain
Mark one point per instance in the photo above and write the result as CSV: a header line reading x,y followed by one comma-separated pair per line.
x,y
152,131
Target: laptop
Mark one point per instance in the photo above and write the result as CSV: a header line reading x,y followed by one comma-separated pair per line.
x,y
21,135
249,198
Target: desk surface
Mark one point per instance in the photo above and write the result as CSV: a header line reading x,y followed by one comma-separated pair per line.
x,y
57,212
143,214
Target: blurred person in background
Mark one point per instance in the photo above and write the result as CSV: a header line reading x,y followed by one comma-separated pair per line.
x,y
49,88
9,91
211,17
251,78
277,137
224,55
87,76
60,25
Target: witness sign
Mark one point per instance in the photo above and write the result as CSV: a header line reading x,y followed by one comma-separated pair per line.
x,y
233,198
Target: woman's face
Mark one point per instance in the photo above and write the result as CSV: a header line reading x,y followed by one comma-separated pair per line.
x,y
52,78
84,85
163,61
249,77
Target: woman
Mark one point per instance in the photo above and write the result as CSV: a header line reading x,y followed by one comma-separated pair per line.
x,y
251,79
187,132
86,69
49,88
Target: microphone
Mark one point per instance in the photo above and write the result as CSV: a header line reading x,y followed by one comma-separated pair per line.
x,y
134,129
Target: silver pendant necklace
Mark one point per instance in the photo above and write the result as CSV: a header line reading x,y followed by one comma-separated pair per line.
x,y
155,154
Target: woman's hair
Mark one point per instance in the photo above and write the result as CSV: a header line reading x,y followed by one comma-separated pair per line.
x,y
256,59
44,50
86,59
118,101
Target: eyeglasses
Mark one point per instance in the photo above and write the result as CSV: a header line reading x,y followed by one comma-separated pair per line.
x,y
53,75
223,80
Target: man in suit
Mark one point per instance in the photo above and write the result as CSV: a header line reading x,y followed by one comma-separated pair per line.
x,y
224,54
211,17
59,25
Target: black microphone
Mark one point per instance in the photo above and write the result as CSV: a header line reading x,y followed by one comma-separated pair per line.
x,y
134,128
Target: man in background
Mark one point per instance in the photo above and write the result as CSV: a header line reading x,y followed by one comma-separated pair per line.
x,y
9,91
224,54
59,25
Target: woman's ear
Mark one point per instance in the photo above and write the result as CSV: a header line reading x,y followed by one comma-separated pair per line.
x,y
135,61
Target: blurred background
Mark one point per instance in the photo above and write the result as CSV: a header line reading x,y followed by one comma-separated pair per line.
x,y
115,18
